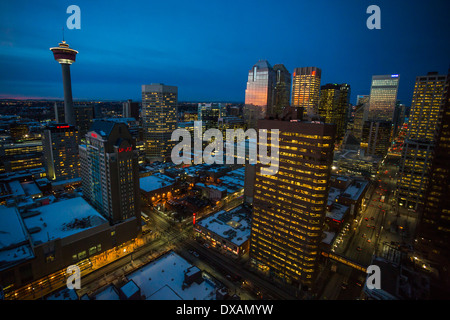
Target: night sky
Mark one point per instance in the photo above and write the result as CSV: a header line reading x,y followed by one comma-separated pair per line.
x,y
207,47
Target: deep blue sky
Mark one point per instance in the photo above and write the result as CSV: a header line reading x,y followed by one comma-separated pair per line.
x,y
207,47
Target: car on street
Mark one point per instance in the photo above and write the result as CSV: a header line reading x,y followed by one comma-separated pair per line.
x,y
195,254
358,248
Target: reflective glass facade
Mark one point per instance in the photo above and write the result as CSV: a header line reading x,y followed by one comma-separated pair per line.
x,y
259,92
383,97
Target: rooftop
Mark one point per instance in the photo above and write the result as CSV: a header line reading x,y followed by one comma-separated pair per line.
x,y
233,225
14,244
163,279
61,219
155,182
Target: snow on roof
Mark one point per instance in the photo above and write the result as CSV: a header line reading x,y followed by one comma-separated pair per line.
x,y
16,188
163,279
129,288
233,225
108,293
62,219
329,236
165,293
355,189
30,188
64,294
155,182
337,211
332,195
14,243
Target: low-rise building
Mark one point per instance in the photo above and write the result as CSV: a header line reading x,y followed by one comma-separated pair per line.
x,y
226,231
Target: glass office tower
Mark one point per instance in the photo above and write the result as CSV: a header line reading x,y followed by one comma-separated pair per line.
x,y
306,89
259,97
383,97
282,92
159,120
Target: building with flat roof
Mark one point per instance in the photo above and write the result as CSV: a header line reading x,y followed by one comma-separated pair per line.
x,y
171,277
226,231
289,207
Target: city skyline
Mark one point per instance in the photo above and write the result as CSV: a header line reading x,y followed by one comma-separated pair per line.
x,y
101,200
209,59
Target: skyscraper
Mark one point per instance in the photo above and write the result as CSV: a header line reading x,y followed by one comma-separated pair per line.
x,y
361,115
383,97
130,109
333,106
433,231
110,171
306,89
282,90
159,120
60,148
289,207
419,143
259,92
66,56
376,137
84,115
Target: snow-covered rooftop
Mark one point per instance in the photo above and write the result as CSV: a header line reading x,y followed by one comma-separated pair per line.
x,y
14,244
61,219
30,188
163,279
232,225
155,182
108,293
337,211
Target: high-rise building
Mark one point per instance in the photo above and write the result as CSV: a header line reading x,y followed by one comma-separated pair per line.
x,y
419,143
306,90
333,106
84,115
282,90
433,231
383,97
66,56
159,120
131,109
376,137
60,149
289,207
59,113
259,97
360,116
110,171
210,113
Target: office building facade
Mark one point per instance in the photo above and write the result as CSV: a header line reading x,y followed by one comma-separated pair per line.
x,y
433,232
259,97
383,97
60,150
282,89
333,106
159,120
110,171
306,89
418,146
289,207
